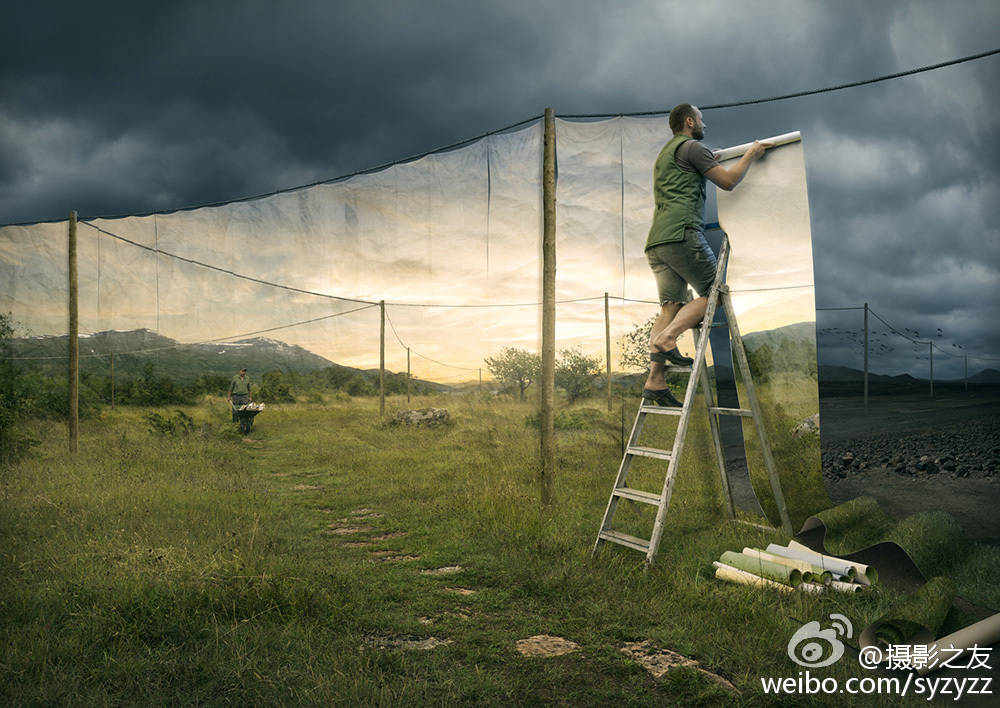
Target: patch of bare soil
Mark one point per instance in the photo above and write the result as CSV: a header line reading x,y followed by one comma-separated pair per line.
x,y
387,536
659,661
447,570
399,559
405,641
456,615
337,530
461,591
545,645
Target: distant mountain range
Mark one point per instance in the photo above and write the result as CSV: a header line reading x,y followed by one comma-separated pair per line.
x,y
844,374
181,362
186,362
798,333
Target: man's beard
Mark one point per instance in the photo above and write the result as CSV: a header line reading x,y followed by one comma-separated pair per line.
x,y
698,134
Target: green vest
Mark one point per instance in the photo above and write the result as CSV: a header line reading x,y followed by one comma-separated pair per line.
x,y
679,197
240,386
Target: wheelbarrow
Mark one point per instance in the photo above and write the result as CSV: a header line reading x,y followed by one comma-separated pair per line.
x,y
245,415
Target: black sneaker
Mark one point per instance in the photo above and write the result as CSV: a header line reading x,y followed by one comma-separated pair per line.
x,y
674,357
661,397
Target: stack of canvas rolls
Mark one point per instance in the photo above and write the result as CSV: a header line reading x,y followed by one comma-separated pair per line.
x,y
793,567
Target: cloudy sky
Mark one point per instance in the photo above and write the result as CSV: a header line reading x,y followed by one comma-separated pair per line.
x,y
117,108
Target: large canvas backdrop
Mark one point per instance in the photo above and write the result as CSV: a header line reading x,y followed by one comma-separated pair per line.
x,y
450,242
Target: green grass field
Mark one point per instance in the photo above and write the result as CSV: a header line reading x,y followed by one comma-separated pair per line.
x,y
211,569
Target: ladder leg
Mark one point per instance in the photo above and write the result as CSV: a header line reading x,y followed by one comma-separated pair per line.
x,y
623,469
758,419
697,368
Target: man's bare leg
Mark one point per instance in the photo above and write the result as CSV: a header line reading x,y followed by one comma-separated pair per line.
x,y
668,311
672,321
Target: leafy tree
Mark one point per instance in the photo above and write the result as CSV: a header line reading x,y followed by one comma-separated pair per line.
x,y
514,368
576,373
274,390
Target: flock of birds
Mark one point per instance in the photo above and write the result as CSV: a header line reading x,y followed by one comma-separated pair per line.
x,y
887,341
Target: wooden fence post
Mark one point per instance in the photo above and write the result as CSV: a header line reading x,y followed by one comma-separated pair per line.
x,y
607,344
74,341
547,413
381,361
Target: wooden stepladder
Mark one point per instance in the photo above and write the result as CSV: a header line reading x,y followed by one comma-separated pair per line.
x,y
719,294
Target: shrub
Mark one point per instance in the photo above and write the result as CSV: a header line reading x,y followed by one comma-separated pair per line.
x,y
180,423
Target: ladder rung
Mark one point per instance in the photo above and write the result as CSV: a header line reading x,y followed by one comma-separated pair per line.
x,y
625,540
678,369
638,495
661,410
648,452
741,412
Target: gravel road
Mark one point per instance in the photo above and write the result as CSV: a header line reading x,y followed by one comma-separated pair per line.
x,y
914,453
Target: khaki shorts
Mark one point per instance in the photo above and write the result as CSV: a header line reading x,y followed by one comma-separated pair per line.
x,y
681,263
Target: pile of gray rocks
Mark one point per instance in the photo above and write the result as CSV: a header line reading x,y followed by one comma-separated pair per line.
x,y
970,449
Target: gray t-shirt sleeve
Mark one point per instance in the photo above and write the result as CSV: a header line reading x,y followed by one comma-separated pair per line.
x,y
693,156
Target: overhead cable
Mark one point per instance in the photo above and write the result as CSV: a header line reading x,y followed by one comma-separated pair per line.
x,y
799,94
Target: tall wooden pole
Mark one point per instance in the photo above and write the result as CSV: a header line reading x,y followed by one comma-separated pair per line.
x,y
607,344
547,412
74,341
381,361
407,376
866,356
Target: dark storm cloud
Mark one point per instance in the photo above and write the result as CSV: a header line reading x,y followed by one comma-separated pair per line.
x,y
232,95
128,107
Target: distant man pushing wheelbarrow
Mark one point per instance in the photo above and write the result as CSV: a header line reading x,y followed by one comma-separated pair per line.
x,y
241,400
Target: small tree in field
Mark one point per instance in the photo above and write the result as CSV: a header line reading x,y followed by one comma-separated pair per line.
x,y
635,346
514,368
15,440
575,373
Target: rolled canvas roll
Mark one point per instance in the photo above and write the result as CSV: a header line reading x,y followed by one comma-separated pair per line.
x,y
837,566
981,634
810,572
846,587
764,568
865,574
735,575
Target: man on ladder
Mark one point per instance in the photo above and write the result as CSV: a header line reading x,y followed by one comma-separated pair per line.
x,y
676,247
679,255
